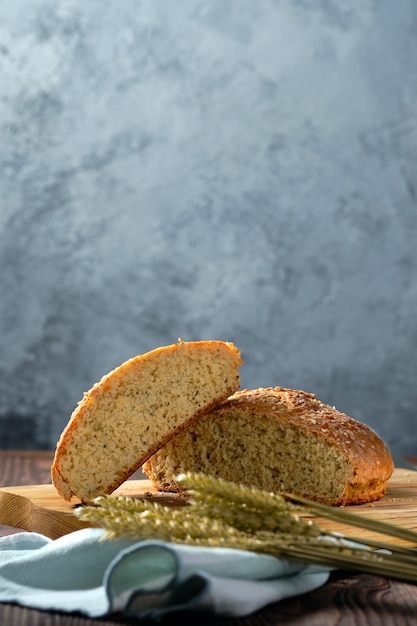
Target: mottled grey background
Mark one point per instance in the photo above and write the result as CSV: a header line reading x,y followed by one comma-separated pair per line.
x,y
209,170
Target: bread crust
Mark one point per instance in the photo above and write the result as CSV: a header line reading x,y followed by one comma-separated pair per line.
x,y
373,464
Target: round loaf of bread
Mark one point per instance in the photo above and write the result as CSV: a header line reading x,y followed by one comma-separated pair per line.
x,y
135,409
280,440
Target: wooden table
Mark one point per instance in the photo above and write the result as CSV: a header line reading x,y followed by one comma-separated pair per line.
x,y
346,600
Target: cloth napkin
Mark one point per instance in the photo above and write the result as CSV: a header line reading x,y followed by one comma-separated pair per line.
x,y
81,572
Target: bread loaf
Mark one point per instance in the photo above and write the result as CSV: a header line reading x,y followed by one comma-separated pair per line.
x,y
135,409
279,440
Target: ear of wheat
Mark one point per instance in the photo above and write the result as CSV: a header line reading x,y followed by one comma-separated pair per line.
x,y
224,514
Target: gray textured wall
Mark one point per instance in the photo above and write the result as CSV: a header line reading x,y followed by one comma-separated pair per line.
x,y
223,170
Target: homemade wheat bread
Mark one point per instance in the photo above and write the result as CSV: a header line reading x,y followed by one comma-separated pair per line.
x,y
279,440
135,409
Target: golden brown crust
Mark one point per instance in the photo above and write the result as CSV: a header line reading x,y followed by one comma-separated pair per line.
x,y
135,409
363,446
368,462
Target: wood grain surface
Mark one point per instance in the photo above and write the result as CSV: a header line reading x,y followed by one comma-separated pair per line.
x,y
39,508
348,599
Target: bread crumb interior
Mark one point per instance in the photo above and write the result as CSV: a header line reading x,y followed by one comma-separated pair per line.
x,y
262,453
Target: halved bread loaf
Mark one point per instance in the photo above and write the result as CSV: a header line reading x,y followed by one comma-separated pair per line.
x,y
135,409
279,440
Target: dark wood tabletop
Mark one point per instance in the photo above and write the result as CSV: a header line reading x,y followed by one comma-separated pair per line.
x,y
347,599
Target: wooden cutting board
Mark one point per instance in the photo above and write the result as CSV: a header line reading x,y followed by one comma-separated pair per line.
x,y
39,508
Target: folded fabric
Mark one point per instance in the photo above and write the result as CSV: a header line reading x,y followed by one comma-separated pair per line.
x,y
81,572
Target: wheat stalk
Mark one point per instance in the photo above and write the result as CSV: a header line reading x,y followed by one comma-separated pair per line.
x,y
224,514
